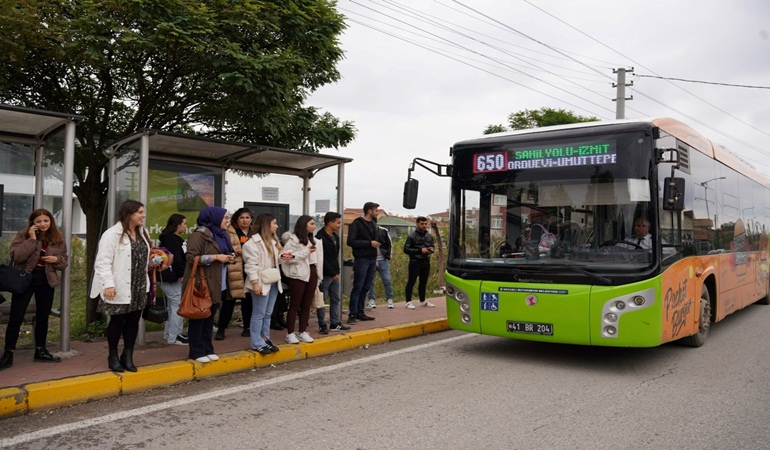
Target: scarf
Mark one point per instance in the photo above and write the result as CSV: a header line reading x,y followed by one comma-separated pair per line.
x,y
210,217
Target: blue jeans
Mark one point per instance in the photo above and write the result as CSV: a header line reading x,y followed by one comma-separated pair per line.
x,y
363,275
260,316
175,323
331,290
383,268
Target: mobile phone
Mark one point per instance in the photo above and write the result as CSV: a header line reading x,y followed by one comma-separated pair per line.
x,y
37,232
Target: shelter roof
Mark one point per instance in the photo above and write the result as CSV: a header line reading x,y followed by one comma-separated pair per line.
x,y
194,149
30,126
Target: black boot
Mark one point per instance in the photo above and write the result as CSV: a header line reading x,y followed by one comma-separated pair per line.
x,y
113,362
6,360
246,332
42,355
220,336
127,359
275,325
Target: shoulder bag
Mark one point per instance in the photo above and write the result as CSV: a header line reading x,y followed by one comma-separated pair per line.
x,y
14,280
155,310
196,299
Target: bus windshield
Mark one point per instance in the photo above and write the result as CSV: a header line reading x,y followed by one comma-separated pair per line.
x,y
567,205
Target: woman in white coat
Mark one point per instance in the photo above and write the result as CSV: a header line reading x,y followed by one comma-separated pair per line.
x,y
261,254
304,267
120,277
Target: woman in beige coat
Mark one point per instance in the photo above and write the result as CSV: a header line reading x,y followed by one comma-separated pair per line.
x,y
239,231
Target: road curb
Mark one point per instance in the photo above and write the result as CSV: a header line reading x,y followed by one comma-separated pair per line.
x,y
35,397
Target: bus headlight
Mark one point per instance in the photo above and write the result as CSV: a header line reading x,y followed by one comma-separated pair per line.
x,y
466,318
450,290
465,307
610,330
620,305
639,300
611,317
460,296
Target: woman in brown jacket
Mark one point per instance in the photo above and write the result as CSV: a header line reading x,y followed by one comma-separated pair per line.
x,y
239,231
39,249
209,241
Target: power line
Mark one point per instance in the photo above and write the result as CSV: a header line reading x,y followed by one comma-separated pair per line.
x,y
642,65
704,82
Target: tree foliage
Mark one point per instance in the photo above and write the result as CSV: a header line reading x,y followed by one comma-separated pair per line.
x,y
543,117
229,69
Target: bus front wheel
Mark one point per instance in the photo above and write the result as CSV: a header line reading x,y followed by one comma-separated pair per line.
x,y
699,338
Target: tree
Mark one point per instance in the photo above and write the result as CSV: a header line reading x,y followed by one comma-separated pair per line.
x,y
543,117
229,69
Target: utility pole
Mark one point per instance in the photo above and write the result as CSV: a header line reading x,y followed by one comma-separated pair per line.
x,y
620,106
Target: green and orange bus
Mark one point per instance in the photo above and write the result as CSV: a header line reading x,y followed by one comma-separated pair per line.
x,y
542,244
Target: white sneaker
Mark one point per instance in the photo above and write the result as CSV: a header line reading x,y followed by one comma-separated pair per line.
x,y
409,305
428,304
372,304
203,359
304,337
390,303
291,338
213,357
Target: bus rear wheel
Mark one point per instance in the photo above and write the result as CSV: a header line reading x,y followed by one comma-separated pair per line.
x,y
699,338
766,299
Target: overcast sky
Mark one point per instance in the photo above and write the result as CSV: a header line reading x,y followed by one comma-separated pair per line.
x,y
420,75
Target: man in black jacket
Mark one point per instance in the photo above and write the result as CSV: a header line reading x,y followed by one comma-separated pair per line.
x,y
419,246
362,237
383,267
330,285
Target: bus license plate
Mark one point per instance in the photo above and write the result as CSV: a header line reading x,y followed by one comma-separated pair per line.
x,y
531,328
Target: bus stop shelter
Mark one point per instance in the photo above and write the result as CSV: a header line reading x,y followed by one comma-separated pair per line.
x,y
52,137
171,171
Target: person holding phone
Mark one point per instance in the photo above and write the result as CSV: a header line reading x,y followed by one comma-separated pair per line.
x,y
302,263
39,249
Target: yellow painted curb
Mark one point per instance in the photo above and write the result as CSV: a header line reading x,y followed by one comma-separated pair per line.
x,y
227,363
149,377
330,344
405,331
372,336
435,326
71,391
13,402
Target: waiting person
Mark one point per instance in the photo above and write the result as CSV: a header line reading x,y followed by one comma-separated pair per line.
x,y
238,231
171,278
303,265
362,238
419,246
330,284
382,267
262,252
39,249
120,277
210,242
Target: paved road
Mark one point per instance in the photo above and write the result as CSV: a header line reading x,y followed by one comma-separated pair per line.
x,y
448,391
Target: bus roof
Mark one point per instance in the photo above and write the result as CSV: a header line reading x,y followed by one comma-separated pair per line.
x,y
675,128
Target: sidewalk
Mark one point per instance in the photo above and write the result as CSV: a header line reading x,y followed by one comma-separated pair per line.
x,y
30,386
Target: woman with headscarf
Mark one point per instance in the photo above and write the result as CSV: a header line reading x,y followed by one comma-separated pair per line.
x,y
209,242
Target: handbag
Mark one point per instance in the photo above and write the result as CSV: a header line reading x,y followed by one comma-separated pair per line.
x,y
14,280
270,276
318,299
155,310
196,299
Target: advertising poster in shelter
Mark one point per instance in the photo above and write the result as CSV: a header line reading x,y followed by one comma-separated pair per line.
x,y
179,188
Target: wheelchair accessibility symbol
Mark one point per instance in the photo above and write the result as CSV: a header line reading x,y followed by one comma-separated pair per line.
x,y
490,301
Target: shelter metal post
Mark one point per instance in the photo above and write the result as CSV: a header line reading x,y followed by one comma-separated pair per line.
x,y
306,195
66,220
341,211
144,173
39,152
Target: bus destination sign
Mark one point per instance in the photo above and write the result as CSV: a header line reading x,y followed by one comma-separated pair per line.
x,y
547,156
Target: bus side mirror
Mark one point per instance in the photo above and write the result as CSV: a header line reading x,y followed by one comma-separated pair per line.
x,y
410,193
673,194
